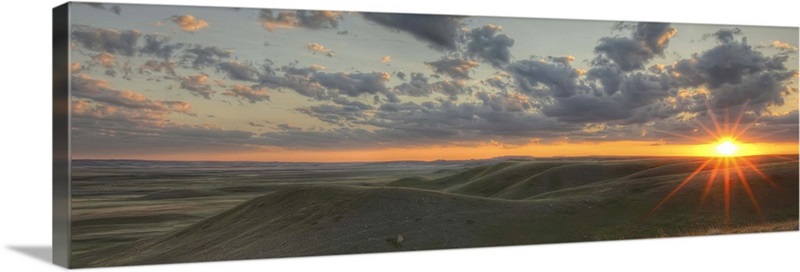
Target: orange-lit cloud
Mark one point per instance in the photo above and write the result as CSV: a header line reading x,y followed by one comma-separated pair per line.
x,y
189,23
784,46
198,84
105,59
386,59
248,93
318,48
75,67
453,67
312,19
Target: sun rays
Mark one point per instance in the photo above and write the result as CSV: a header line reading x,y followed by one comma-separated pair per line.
x,y
725,161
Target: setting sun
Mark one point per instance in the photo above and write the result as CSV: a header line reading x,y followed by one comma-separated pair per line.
x,y
727,149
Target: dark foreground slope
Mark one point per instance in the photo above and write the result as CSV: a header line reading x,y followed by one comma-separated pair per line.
x,y
606,202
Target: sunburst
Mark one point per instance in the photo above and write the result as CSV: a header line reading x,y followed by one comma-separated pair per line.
x,y
726,162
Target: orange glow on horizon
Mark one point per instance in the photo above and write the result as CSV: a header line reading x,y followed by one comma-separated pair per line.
x,y
480,151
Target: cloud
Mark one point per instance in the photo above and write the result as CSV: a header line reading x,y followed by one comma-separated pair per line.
x,y
105,59
86,87
300,84
730,62
342,115
724,35
566,60
453,67
288,127
417,86
207,56
610,77
782,46
312,19
157,66
75,67
536,77
105,39
426,123
386,59
115,9
759,90
311,82
486,44
318,48
441,31
451,88
159,46
353,84
632,53
505,102
401,75
248,93
239,71
189,23
198,85
655,36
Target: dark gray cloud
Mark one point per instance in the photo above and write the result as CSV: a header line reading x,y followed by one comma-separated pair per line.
x,y
497,82
417,86
627,53
584,108
760,90
724,35
655,36
312,19
249,93
453,67
114,8
205,56
159,46
105,39
686,73
158,66
401,75
412,124
353,84
313,83
441,31
632,53
486,44
508,102
451,88
780,128
355,105
342,115
609,76
300,84
729,63
540,78
238,70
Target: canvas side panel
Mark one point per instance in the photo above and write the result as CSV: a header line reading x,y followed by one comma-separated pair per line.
x,y
61,157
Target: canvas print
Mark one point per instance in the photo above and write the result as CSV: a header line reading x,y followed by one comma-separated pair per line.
x,y
209,134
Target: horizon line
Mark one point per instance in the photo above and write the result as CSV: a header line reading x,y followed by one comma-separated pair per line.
x,y
471,159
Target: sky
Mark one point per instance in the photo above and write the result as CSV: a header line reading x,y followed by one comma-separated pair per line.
x,y
195,83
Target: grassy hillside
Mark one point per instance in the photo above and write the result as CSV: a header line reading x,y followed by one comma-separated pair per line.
x,y
508,203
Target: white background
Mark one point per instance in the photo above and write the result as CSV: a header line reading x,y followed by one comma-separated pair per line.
x,y
25,105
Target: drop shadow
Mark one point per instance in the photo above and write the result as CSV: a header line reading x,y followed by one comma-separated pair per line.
x,y
42,253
